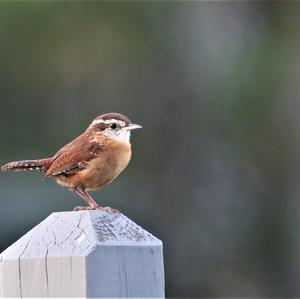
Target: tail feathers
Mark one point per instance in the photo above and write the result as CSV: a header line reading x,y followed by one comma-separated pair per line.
x,y
42,164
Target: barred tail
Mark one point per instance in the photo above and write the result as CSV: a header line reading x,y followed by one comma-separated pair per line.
x,y
42,164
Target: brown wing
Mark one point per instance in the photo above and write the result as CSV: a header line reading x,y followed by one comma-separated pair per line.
x,y
74,156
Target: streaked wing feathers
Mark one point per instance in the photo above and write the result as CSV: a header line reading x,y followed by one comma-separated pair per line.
x,y
68,169
73,156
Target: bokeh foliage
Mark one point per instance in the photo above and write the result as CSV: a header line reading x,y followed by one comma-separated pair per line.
x,y
215,170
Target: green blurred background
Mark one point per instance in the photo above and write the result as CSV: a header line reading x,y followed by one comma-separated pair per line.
x,y
215,171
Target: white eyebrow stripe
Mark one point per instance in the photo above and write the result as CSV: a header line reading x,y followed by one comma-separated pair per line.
x,y
109,121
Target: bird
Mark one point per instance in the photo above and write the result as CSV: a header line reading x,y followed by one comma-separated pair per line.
x,y
90,161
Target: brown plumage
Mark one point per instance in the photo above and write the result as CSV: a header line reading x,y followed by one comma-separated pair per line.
x,y
90,161
24,165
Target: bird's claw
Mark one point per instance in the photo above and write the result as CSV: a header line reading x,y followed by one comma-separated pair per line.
x,y
98,208
82,208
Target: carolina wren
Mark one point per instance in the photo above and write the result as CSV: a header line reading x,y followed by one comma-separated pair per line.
x,y
90,161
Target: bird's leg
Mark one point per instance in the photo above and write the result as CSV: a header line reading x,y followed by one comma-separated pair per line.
x,y
92,205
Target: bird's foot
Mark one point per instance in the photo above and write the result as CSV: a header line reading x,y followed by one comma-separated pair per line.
x,y
98,208
82,208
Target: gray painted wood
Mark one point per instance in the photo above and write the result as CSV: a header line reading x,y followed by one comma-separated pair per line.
x,y
84,254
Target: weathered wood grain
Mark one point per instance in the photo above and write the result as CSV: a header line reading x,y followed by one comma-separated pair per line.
x,y
84,254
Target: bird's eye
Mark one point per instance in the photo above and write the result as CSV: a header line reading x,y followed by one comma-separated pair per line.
x,y
113,126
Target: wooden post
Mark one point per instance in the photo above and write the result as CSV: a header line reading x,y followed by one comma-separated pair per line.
x,y
84,254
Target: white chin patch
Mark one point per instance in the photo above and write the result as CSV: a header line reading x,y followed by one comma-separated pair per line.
x,y
119,135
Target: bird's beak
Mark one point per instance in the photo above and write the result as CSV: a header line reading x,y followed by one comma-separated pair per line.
x,y
130,127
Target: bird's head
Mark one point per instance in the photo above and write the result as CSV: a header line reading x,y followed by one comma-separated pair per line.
x,y
114,125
